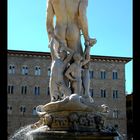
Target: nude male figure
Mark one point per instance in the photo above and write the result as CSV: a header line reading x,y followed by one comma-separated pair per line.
x,y
70,19
59,64
73,73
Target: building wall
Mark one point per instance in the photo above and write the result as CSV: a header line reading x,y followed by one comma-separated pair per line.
x,y
109,85
17,119
129,111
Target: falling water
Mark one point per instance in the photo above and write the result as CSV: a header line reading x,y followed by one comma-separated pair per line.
x,y
27,133
20,134
24,133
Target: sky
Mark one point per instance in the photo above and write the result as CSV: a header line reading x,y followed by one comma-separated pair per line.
x,y
109,21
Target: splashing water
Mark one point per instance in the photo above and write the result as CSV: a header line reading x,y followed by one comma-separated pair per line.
x,y
25,133
20,134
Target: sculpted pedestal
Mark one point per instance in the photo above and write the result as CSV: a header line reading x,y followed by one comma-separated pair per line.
x,y
71,119
65,135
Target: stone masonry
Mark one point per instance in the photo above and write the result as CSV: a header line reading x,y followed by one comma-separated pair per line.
x,y
22,102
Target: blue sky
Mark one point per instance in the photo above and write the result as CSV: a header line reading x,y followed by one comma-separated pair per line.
x,y
109,21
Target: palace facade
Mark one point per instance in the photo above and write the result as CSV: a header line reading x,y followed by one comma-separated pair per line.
x,y
28,87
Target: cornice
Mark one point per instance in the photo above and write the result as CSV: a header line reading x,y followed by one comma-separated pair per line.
x,y
94,58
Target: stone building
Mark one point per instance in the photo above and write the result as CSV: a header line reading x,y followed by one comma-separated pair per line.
x,y
28,87
129,113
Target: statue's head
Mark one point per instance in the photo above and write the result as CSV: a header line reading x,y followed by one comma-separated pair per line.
x,y
77,57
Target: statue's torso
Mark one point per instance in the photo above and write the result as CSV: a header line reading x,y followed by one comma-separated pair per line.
x,y
66,11
76,71
67,25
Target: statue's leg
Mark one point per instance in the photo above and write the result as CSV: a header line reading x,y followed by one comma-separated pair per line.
x,y
79,83
66,81
86,81
63,89
73,39
60,34
67,91
53,90
73,87
77,87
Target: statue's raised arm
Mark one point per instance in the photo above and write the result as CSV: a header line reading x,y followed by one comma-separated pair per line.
x,y
83,18
49,20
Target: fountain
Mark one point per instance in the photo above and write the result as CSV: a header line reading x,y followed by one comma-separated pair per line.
x,y
72,113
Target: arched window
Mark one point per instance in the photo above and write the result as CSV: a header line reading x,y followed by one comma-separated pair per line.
x,y
11,69
91,92
115,113
9,109
37,70
115,94
10,89
23,109
91,73
37,90
34,111
103,93
23,89
103,74
114,75
24,70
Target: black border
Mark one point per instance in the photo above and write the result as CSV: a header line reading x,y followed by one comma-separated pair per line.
x,y
136,70
3,69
